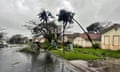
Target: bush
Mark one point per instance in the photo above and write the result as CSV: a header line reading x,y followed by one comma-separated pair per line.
x,y
59,45
96,46
75,46
28,50
46,45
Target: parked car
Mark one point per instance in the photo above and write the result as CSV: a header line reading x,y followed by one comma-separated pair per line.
x,y
3,44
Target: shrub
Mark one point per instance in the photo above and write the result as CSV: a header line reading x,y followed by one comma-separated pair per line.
x,y
59,45
46,45
80,47
28,50
96,46
76,46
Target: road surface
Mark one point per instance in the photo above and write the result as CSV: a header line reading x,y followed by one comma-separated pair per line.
x,y
13,61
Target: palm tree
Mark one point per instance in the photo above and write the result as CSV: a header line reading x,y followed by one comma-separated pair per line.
x,y
67,17
44,16
89,38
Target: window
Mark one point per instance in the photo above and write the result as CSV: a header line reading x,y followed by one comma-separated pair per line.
x,y
106,40
116,40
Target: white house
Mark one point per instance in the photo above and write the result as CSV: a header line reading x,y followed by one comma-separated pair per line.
x,y
82,40
111,38
70,37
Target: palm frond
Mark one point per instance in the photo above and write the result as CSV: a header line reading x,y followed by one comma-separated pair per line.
x,y
65,16
45,15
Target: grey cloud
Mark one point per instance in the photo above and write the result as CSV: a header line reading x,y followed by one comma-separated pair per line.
x,y
14,13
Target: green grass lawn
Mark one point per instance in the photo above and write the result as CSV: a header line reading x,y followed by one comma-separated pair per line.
x,y
87,54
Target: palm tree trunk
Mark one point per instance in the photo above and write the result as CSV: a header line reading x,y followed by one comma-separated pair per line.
x,y
89,38
64,26
63,39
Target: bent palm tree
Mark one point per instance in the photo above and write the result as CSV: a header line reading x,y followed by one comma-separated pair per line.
x,y
67,17
89,38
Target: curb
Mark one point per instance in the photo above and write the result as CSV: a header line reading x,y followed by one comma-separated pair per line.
x,y
82,68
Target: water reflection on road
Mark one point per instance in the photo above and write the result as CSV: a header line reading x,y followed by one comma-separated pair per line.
x,y
12,61
42,62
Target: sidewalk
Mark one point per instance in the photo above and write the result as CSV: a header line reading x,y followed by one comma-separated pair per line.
x,y
82,65
109,65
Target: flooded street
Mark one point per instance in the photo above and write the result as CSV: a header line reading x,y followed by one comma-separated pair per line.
x,y
13,61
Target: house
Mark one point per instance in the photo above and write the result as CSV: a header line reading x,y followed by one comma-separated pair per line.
x,y
111,38
70,37
82,40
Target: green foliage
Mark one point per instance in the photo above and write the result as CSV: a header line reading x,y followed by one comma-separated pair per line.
x,y
47,30
65,16
44,16
28,50
99,52
96,46
95,27
46,45
75,46
17,39
87,54
114,54
75,55
59,45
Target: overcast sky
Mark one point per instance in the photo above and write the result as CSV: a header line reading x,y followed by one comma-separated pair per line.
x,y
15,13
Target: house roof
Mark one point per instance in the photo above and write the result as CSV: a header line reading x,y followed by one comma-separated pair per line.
x,y
111,27
72,35
93,36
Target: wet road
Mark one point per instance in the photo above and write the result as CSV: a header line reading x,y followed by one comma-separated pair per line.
x,y
13,61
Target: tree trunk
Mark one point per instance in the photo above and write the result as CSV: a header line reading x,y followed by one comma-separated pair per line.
x,y
63,39
89,38
64,26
